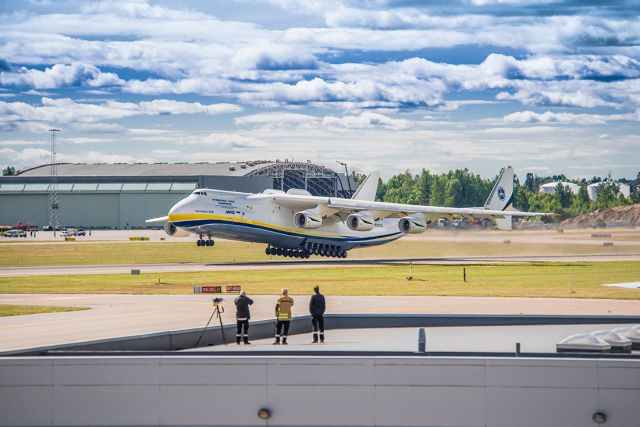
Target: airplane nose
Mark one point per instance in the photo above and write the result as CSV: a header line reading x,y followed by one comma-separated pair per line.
x,y
179,207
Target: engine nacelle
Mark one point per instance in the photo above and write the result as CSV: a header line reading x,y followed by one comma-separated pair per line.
x,y
360,222
412,224
174,231
307,219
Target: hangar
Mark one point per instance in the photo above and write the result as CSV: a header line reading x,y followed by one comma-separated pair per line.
x,y
124,195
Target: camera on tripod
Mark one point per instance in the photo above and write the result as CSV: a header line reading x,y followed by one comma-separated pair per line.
x,y
217,301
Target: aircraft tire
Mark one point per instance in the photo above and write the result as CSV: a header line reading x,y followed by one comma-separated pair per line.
x,y
199,243
267,250
278,251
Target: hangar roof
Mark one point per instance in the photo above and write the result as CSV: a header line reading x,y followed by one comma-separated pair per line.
x,y
150,169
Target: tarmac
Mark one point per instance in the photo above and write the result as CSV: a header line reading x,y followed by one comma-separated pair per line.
x,y
125,315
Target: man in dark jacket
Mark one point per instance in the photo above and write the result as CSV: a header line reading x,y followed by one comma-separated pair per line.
x,y
242,317
316,308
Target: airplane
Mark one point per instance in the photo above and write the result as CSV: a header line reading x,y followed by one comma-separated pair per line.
x,y
297,224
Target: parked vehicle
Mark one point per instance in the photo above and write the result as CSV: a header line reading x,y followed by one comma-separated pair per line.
x,y
15,233
81,232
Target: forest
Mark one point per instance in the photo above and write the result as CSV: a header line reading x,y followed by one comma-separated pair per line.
x,y
462,188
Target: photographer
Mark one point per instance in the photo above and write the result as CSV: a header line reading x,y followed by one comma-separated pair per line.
x,y
316,309
242,317
283,316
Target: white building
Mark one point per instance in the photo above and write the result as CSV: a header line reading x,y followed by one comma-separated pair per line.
x,y
594,189
550,188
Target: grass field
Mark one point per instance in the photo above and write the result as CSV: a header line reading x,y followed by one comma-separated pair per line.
x,y
18,310
226,251
513,280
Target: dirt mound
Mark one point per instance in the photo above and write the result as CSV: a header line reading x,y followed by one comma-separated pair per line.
x,y
622,216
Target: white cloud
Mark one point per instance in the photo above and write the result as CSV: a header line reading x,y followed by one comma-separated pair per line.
x,y
366,120
224,141
277,119
87,116
60,75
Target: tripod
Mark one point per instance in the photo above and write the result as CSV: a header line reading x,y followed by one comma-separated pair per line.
x,y
217,311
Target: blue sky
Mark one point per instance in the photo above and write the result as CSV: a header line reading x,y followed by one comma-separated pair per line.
x,y
546,86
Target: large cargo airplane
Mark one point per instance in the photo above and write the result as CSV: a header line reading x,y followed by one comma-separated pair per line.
x,y
297,224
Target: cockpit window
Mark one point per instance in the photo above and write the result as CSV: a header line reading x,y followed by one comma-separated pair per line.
x,y
200,193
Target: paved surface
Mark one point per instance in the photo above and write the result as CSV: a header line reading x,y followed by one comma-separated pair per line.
x,y
621,236
534,339
287,265
124,315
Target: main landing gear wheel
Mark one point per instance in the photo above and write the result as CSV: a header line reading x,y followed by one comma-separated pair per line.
x,y
307,251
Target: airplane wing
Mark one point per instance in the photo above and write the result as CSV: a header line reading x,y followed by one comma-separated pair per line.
x,y
295,201
498,206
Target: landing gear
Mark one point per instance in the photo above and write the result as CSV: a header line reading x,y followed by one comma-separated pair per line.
x,y
205,242
307,251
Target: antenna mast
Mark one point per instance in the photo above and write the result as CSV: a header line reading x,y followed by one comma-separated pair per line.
x,y
54,204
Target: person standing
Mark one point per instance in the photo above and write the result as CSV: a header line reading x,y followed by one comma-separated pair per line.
x,y
316,309
283,316
242,317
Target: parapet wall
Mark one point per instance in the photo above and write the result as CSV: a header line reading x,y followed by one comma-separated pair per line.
x,y
315,391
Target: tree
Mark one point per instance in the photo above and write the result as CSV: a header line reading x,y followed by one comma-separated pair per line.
x,y
563,195
529,183
9,171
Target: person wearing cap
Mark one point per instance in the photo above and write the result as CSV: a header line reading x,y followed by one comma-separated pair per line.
x,y
242,317
283,316
316,309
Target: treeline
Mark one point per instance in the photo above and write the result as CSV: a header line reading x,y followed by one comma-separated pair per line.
x,y
462,188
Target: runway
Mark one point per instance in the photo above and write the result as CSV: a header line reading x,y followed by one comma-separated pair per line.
x,y
125,315
287,265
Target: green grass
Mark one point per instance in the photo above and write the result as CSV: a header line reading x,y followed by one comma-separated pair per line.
x,y
19,310
225,251
512,280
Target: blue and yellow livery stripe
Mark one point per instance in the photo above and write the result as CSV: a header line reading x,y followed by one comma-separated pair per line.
x,y
195,220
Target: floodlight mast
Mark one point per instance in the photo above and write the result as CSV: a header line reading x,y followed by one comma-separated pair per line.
x,y
346,172
54,202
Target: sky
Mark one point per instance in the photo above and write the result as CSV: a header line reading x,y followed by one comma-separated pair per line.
x,y
391,85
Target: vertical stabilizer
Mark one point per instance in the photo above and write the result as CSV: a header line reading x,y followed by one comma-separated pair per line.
x,y
501,197
368,188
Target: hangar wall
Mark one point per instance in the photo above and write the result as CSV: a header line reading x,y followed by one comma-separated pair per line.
x,y
328,391
102,210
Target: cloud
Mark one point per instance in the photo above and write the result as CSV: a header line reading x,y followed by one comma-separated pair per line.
x,y
551,117
277,120
225,141
87,116
366,120
60,75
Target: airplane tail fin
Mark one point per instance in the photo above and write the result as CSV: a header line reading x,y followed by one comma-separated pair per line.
x,y
501,196
368,188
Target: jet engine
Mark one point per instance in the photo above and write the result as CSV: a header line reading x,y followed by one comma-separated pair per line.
x,y
360,222
412,224
307,219
174,231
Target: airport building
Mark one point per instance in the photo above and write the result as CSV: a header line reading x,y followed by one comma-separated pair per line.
x,y
124,195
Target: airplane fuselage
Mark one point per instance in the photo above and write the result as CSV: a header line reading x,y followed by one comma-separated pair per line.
x,y
235,216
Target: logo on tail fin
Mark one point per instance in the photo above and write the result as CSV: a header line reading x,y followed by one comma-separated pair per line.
x,y
501,196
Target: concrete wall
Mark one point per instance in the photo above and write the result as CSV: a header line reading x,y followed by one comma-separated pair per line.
x,y
329,391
